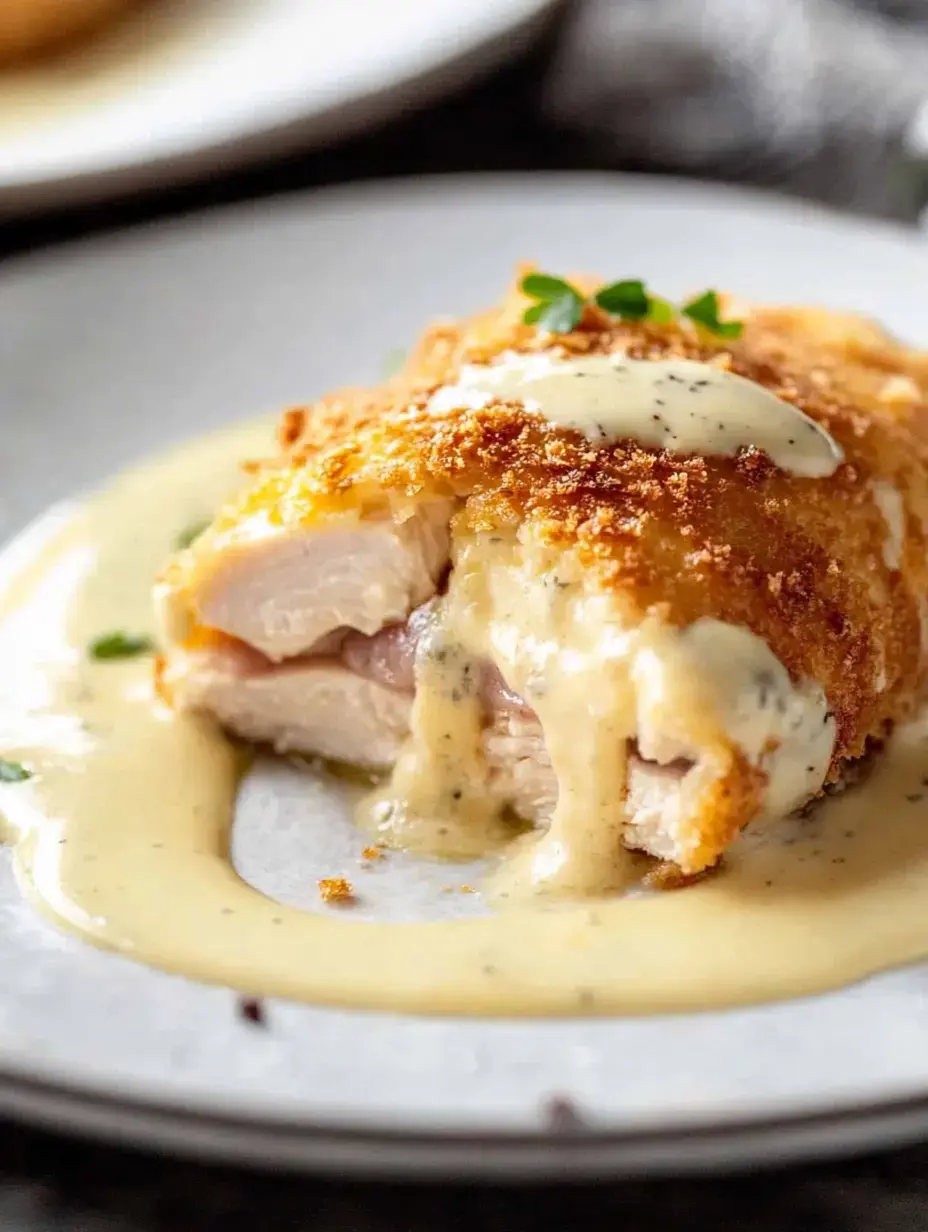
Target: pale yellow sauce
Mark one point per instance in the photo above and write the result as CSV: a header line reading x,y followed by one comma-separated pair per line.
x,y
674,404
598,677
122,835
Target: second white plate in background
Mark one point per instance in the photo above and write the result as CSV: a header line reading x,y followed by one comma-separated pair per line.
x,y
185,87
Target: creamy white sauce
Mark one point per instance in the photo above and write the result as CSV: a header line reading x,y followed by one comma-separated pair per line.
x,y
785,727
888,500
130,807
674,404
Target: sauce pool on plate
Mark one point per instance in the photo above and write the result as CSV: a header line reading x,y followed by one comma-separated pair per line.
x,y
121,829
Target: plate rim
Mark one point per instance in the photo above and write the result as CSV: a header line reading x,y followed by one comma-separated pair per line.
x,y
574,1150
394,190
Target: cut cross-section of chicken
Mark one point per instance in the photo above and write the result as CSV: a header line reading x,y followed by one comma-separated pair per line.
x,y
638,734
708,712
281,587
521,773
307,705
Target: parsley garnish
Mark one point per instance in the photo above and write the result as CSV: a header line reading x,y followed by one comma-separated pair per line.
x,y
704,311
559,306
13,772
628,300
120,645
661,311
193,531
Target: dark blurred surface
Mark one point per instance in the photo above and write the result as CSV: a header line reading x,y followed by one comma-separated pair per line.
x,y
54,1183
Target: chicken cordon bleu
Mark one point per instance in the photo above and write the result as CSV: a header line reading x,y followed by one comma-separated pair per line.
x,y
635,577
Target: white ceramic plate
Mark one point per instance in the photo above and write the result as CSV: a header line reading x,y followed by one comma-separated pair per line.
x,y
185,87
111,350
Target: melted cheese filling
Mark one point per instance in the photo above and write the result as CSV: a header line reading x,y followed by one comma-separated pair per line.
x,y
598,678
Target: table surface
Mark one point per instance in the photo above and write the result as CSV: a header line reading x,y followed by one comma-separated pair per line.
x,y
50,1182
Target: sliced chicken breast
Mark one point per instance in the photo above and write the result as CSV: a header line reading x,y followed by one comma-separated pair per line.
x,y
280,587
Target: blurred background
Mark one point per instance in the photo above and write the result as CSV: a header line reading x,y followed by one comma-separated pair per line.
x,y
112,111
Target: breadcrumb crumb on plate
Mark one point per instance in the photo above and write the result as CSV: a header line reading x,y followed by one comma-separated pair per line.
x,y
336,890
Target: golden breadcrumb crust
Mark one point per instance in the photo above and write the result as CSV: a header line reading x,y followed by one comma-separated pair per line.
x,y
800,562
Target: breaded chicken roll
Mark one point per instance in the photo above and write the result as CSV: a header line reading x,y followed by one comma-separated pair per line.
x,y
633,576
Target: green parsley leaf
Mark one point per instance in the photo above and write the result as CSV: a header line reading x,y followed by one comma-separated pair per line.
x,y
661,311
559,316
13,772
192,532
120,645
544,286
393,361
559,307
628,299
704,311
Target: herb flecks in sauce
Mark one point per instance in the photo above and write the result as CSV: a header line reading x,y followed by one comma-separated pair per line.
x,y
13,772
190,534
120,645
559,306
676,404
